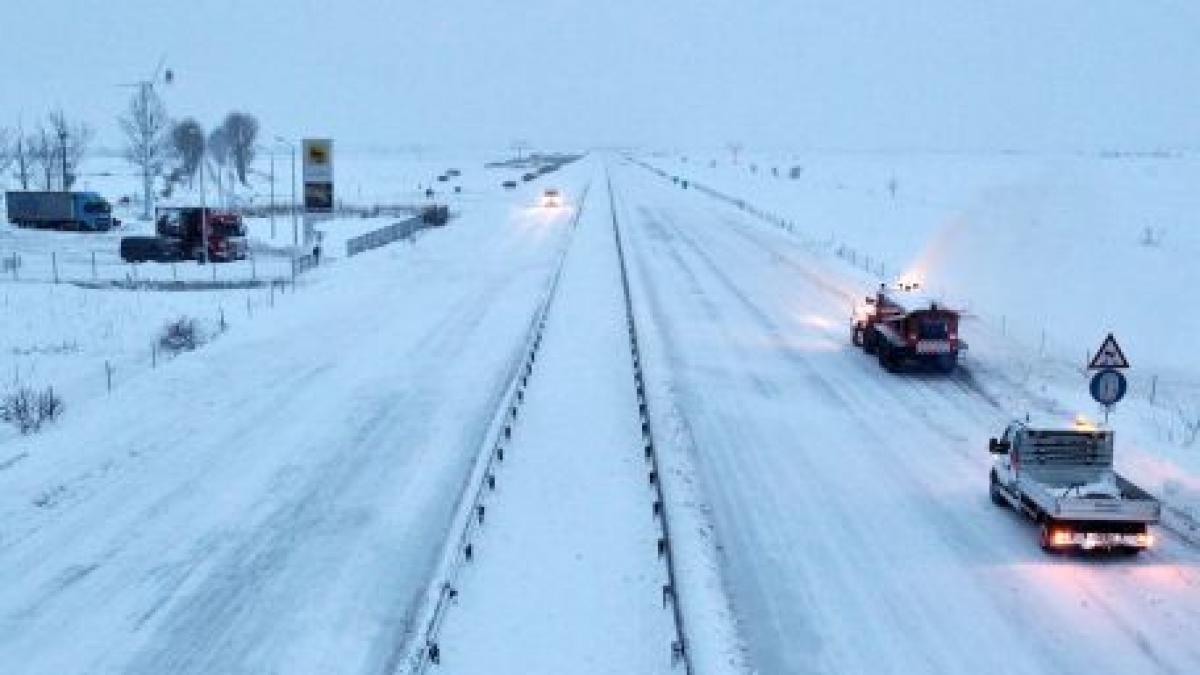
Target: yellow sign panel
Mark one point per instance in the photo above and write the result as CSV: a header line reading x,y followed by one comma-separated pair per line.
x,y
318,160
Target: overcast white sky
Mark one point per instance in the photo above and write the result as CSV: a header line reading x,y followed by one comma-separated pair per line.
x,y
920,74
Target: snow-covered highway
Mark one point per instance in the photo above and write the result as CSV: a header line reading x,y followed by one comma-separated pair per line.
x,y
851,505
281,500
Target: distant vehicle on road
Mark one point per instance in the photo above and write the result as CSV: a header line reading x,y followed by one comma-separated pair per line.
x,y
82,211
903,325
528,177
443,178
551,198
510,185
453,173
1063,479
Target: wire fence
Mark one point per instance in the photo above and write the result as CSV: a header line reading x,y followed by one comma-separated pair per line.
x,y
106,268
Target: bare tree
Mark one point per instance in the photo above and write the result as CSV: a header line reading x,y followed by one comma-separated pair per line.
x,y
219,151
7,149
187,147
241,133
145,125
42,155
21,158
69,141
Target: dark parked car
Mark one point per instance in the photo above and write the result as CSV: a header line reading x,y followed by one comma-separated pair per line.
x,y
510,185
151,249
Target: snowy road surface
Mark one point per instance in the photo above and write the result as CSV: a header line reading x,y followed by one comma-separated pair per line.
x,y
565,576
850,504
274,502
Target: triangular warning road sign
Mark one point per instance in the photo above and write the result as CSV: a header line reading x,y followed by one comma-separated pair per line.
x,y
1109,356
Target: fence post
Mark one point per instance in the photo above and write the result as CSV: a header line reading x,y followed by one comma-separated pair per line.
x,y
1153,388
108,373
93,265
54,264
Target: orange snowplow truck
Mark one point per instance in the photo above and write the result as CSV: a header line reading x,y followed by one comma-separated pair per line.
x,y
904,327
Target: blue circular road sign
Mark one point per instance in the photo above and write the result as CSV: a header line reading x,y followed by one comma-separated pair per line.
x,y
1108,386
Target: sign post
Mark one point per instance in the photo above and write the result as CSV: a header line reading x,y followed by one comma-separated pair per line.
x,y
1108,385
318,182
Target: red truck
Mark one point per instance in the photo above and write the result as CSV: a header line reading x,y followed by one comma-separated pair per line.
x,y
180,237
903,326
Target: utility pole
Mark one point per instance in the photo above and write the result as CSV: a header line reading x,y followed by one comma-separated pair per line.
x,y
203,216
295,231
147,180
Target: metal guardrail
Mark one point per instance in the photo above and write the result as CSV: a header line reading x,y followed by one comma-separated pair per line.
x,y
679,648
482,481
384,236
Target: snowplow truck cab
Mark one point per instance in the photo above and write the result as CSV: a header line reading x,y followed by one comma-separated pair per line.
x,y
904,326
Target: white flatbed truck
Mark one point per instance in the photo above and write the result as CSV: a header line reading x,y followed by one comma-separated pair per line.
x,y
1063,479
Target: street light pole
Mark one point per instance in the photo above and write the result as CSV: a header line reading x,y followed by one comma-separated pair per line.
x,y
203,217
295,232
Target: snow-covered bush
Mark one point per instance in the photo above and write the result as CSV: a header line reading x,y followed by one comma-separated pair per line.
x,y
180,335
28,409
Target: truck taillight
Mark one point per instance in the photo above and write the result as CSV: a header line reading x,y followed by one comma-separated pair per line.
x,y
1061,538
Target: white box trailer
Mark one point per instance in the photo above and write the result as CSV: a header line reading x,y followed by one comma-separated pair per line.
x,y
1064,480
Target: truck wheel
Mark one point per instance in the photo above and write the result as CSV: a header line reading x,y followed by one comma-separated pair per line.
x,y
870,341
888,359
947,362
856,336
994,490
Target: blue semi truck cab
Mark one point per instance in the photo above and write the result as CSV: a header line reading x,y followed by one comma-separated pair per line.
x,y
86,211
